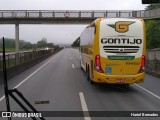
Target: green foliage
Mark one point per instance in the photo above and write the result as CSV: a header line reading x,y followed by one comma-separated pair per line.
x,y
76,43
153,29
153,34
50,45
56,47
23,45
152,6
10,43
41,44
28,45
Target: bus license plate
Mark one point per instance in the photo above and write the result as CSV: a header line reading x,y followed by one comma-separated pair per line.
x,y
120,80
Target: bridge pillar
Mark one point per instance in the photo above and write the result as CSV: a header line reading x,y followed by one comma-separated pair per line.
x,y
17,42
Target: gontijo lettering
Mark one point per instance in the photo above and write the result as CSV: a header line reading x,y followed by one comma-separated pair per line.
x,y
120,40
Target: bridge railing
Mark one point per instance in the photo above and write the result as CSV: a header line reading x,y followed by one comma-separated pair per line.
x,y
149,13
24,57
77,14
62,14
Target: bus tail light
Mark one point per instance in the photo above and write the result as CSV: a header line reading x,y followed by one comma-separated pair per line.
x,y
98,67
142,64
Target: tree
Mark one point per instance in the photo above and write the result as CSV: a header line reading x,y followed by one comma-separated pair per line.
x,y
153,34
28,45
150,1
44,39
153,6
50,45
153,29
76,43
56,47
42,43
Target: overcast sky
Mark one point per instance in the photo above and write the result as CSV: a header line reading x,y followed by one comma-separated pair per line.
x,y
59,33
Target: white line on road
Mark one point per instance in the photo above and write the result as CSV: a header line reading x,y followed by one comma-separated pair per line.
x,y
2,98
84,106
28,77
148,91
73,66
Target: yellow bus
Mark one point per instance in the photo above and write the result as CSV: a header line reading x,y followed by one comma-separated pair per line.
x,y
113,50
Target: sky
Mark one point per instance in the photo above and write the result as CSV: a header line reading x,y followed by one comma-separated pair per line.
x,y
59,34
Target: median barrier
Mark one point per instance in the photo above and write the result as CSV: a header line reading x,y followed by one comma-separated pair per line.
x,y
36,58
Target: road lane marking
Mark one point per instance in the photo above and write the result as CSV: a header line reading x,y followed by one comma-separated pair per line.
x,y
28,77
71,58
84,106
32,74
73,66
147,91
2,98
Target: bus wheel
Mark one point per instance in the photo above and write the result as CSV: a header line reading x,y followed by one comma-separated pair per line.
x,y
88,77
91,82
127,85
81,66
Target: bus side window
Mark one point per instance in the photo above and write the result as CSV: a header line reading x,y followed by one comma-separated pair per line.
x,y
94,26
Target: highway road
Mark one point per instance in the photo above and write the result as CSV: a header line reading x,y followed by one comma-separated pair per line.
x,y
60,81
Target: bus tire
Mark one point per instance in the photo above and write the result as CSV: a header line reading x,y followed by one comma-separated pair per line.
x,y
81,68
88,77
80,65
91,82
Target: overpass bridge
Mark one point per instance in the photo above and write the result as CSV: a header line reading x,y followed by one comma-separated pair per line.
x,y
66,17
69,17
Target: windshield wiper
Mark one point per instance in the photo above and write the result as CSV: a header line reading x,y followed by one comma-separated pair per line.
x,y
14,90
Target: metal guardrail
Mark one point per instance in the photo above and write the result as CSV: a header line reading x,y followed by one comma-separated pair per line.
x,y
24,57
46,14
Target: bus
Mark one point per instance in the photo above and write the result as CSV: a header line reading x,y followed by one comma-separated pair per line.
x,y
113,51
